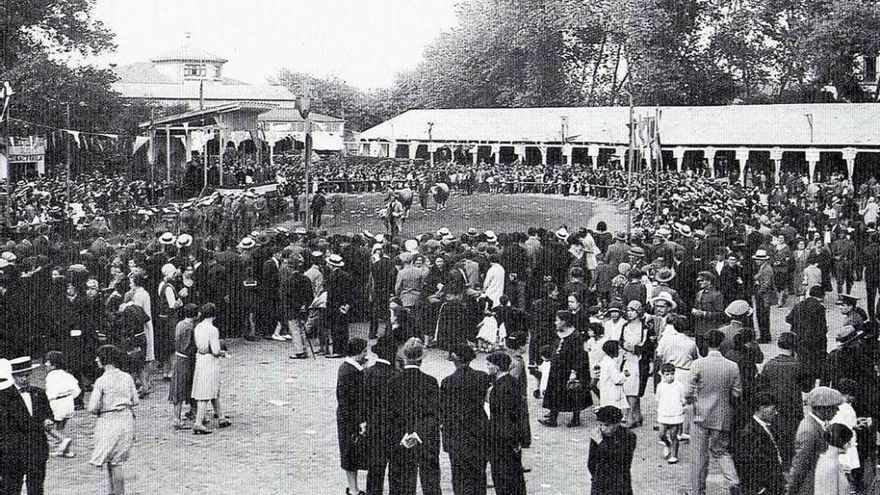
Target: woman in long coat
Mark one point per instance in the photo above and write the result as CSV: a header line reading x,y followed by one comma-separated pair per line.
x,y
351,413
568,387
634,340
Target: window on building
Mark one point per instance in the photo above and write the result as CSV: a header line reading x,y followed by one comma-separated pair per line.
x,y
194,71
870,68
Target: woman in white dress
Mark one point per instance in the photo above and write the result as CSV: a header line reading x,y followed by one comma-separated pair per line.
x,y
206,377
632,340
113,397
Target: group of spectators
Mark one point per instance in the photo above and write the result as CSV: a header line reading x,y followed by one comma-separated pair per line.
x,y
594,315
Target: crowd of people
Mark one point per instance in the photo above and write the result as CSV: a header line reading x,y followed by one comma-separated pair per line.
x,y
680,302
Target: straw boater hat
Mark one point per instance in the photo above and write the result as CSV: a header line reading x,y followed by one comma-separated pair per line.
x,y
167,238
761,255
335,260
184,240
491,237
6,380
300,231
665,274
23,364
738,308
667,298
247,243
562,234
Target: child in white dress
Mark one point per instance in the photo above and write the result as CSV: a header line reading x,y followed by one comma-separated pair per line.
x,y
61,390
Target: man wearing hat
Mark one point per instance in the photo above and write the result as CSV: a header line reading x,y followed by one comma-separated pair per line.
x,y
765,293
378,407
740,314
708,308
383,275
340,294
464,421
506,435
780,376
617,252
810,439
611,453
807,320
24,414
852,359
756,450
414,425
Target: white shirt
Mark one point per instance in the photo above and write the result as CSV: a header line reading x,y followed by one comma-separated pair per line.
x,y
26,396
354,363
61,389
670,402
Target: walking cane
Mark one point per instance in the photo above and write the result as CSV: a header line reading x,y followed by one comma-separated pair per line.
x,y
305,336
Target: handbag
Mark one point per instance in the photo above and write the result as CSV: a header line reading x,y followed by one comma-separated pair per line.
x,y
574,385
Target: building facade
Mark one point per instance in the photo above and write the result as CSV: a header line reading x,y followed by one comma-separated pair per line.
x,y
806,138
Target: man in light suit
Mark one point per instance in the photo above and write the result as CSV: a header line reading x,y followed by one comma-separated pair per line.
x,y
715,386
809,441
756,451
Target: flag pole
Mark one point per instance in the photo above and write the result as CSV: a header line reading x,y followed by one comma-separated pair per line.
x,y
659,156
629,166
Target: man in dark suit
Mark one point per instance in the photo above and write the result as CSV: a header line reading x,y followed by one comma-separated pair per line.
x,y
414,426
340,290
756,452
506,433
382,277
808,322
464,421
270,319
24,412
376,387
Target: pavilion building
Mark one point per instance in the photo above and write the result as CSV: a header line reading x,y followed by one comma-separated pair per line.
x,y
814,139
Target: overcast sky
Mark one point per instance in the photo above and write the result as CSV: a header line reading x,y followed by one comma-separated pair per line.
x,y
363,41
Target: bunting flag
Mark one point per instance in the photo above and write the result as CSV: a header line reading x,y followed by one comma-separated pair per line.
x,y
649,138
74,135
139,142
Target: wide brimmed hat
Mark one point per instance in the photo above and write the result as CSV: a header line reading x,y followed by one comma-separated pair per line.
x,y
761,255
167,238
665,297
738,308
685,230
665,274
620,235
300,231
411,245
6,380
184,240
247,243
335,260
23,364
562,234
636,251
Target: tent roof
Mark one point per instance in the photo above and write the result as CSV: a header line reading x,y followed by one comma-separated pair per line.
x,y
292,115
202,115
212,91
832,124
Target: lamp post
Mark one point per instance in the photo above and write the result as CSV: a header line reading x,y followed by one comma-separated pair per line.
x,y
303,104
430,152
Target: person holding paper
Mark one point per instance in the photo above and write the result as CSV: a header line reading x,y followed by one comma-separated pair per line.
x,y
415,425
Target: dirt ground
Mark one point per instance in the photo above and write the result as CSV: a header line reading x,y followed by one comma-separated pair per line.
x,y
283,437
